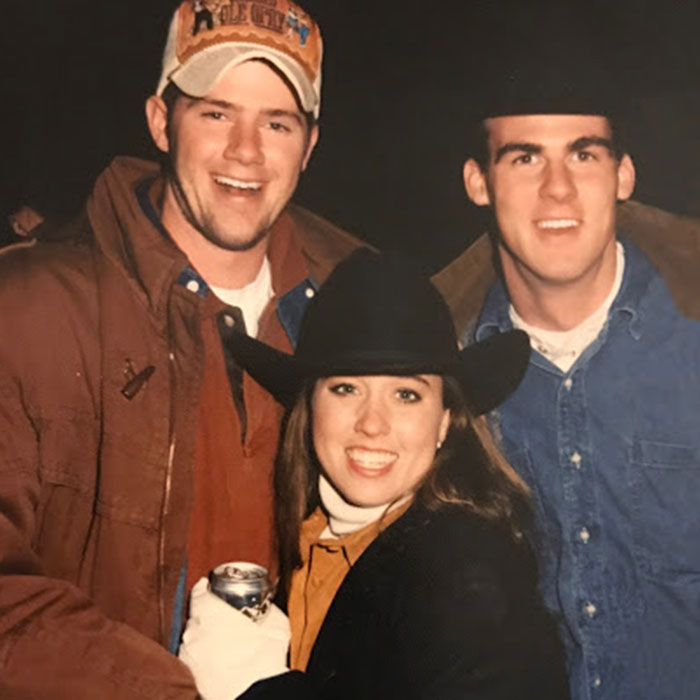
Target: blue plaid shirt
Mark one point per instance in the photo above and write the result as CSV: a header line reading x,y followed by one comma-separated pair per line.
x,y
611,451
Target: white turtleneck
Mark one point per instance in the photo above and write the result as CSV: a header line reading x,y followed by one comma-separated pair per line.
x,y
345,518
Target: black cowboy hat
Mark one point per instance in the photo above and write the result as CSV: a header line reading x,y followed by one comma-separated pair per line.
x,y
376,315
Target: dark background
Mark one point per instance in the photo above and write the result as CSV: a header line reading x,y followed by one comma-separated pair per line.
x,y
400,81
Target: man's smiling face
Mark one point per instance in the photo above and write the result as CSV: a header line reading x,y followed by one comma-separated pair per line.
x,y
552,182
236,156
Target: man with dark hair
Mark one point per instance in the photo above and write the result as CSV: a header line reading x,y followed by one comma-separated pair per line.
x,y
134,454
604,426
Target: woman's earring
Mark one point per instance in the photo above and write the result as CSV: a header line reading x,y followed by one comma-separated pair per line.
x,y
439,444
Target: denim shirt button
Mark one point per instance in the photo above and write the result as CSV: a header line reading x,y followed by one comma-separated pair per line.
x,y
568,383
584,535
597,682
590,609
310,293
575,459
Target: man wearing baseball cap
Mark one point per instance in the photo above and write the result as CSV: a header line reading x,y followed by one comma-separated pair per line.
x,y
604,427
134,454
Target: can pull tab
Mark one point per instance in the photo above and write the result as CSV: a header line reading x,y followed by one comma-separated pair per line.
x,y
245,586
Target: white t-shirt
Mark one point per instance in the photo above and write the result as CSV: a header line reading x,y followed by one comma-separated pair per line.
x,y
563,348
251,299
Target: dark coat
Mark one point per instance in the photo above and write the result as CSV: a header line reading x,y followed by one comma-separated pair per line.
x,y
441,605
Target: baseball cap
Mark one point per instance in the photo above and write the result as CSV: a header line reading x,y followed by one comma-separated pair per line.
x,y
207,37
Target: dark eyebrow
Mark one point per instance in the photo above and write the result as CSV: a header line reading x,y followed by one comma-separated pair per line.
x,y
285,113
585,142
516,147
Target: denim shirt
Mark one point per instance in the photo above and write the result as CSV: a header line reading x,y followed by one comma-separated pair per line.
x,y
611,451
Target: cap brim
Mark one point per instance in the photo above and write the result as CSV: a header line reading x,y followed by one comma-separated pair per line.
x,y
197,76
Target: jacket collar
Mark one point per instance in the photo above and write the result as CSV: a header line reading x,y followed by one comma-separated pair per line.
x,y
301,245
128,237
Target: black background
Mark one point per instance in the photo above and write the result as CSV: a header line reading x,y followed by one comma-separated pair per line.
x,y
400,79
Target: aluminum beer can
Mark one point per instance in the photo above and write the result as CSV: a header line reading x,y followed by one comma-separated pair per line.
x,y
244,585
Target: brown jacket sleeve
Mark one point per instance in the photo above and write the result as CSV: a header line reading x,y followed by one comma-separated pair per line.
x,y
55,643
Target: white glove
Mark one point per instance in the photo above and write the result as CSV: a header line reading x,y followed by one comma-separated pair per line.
x,y
226,651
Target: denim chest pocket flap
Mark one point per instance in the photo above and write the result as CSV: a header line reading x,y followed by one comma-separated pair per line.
x,y
662,455
666,488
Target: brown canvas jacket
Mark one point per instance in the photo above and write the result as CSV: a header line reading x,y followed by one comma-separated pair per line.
x,y
94,486
671,242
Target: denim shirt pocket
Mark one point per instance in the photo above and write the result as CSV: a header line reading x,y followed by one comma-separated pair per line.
x,y
666,493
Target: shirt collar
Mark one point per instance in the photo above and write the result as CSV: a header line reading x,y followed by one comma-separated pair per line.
x,y
188,277
353,544
287,263
630,301
628,304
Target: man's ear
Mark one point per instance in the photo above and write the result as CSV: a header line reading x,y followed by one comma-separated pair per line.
x,y
313,140
626,177
475,183
157,118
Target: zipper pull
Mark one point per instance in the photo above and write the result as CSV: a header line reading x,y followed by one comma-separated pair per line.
x,y
137,382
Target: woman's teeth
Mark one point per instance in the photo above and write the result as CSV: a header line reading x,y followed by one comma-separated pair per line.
x,y
371,459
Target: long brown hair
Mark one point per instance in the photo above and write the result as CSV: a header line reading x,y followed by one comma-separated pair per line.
x,y
468,471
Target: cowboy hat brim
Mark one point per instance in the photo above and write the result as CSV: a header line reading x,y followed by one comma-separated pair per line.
x,y
488,370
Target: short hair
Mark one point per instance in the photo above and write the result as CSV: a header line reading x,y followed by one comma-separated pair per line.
x,y
171,95
469,471
479,141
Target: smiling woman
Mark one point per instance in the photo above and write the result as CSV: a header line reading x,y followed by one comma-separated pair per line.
x,y
376,436
399,523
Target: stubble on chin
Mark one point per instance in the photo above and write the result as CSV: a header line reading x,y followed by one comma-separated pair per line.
x,y
206,225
